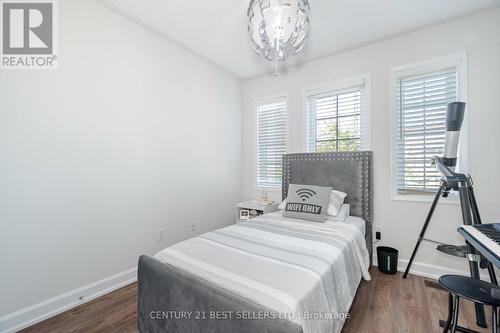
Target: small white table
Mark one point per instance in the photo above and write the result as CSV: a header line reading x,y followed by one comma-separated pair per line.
x,y
254,208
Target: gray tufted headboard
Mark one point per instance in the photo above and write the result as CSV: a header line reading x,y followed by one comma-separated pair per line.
x,y
349,172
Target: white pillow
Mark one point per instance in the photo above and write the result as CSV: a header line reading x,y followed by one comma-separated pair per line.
x,y
282,205
336,200
344,212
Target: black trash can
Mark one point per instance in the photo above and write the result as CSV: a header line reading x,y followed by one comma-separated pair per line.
x,y
387,259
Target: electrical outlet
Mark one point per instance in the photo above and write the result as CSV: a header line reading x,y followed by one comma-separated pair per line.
x,y
161,235
193,225
378,232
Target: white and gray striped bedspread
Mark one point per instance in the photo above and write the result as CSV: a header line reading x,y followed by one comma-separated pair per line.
x,y
305,270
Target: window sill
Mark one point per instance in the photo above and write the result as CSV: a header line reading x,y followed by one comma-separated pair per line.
x,y
453,199
268,189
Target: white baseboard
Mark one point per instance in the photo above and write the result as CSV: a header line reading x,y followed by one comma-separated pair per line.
x,y
430,271
33,314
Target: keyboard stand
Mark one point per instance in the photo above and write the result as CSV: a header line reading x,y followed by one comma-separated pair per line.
x,y
489,259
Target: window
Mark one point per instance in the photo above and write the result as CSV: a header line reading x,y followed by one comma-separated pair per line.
x,y
271,141
421,102
336,119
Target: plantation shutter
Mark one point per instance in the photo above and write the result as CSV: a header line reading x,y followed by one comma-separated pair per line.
x,y
421,103
271,142
336,120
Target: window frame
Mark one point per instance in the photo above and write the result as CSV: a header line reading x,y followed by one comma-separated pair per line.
x,y
338,85
267,100
458,60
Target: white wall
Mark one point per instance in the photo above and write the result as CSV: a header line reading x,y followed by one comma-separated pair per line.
x,y
401,221
128,135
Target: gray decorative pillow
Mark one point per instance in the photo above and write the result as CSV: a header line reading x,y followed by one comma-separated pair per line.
x,y
307,202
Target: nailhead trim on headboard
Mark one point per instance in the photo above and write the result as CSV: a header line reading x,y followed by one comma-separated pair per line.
x,y
365,158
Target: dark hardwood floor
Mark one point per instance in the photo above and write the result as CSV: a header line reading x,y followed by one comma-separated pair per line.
x,y
384,305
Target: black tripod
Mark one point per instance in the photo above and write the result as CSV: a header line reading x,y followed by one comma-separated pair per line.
x,y
470,214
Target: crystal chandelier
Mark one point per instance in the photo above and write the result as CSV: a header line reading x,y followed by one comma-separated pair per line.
x,y
278,28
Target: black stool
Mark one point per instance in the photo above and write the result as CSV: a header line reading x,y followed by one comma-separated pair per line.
x,y
474,290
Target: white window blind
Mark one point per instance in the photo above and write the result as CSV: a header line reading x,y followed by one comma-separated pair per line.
x,y
336,120
271,141
421,102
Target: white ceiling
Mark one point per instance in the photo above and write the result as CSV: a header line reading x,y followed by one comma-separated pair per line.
x,y
216,29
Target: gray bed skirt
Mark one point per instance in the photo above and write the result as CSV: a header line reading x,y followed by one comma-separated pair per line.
x,y
171,300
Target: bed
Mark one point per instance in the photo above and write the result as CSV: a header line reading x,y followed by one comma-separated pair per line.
x,y
270,274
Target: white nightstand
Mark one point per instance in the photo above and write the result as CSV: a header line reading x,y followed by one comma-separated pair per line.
x,y
254,208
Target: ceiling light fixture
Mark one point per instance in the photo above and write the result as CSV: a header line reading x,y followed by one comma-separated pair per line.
x,y
278,28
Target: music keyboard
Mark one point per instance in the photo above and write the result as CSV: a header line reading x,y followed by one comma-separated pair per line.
x,y
485,238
